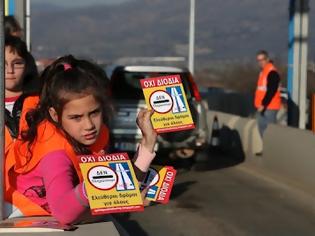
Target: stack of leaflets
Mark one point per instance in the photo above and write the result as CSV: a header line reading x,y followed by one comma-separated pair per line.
x,y
159,182
112,187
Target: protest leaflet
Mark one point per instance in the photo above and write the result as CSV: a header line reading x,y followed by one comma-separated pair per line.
x,y
110,183
166,96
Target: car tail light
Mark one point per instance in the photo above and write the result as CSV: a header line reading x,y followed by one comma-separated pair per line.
x,y
195,89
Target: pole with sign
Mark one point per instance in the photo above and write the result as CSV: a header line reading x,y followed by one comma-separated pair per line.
x,y
297,62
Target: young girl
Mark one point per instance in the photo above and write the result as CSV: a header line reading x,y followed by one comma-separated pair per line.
x,y
68,121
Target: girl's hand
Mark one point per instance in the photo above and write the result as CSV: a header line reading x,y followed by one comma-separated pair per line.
x,y
146,202
148,133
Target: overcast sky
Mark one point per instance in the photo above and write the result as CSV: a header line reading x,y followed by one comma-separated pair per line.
x,y
78,3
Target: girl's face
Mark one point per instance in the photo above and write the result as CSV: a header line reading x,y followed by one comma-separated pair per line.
x,y
14,69
81,119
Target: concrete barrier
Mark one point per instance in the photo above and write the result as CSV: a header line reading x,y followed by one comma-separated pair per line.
x,y
247,129
288,153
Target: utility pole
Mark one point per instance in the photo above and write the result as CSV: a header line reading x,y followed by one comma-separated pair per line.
x,y
28,24
303,60
297,62
191,51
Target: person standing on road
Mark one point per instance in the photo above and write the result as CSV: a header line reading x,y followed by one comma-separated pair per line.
x,y
267,96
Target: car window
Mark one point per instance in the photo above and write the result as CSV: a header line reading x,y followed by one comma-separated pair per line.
x,y
126,85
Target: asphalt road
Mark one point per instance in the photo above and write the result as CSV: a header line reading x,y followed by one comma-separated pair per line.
x,y
226,201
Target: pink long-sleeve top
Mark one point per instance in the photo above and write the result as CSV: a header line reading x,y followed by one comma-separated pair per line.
x,y
53,184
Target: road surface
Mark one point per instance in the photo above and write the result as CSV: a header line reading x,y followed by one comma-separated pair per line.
x,y
228,201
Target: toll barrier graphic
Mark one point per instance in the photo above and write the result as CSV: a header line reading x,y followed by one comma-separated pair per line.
x,y
151,194
125,181
178,99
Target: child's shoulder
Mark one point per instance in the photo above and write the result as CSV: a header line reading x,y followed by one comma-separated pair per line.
x,y
31,99
49,134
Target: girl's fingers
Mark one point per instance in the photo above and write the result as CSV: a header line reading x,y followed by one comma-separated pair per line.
x,y
140,116
144,114
148,114
141,113
144,119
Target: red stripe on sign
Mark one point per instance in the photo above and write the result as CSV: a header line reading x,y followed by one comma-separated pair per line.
x,y
176,128
160,81
166,187
102,211
101,158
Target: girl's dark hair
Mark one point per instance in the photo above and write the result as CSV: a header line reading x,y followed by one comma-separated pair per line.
x,y
30,75
66,79
11,25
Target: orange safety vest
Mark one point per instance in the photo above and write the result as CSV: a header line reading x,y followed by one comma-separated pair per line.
x,y
261,89
49,139
26,206
28,104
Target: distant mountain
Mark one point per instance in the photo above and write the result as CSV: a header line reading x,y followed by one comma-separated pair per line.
x,y
230,30
78,3
44,8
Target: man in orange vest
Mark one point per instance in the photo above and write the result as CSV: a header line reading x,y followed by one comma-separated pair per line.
x,y
267,96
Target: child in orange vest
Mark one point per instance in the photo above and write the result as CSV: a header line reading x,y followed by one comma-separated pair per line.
x,y
69,121
21,94
21,81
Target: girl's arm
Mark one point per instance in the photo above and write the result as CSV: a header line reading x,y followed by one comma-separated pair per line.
x,y
149,135
145,153
142,159
141,164
66,200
